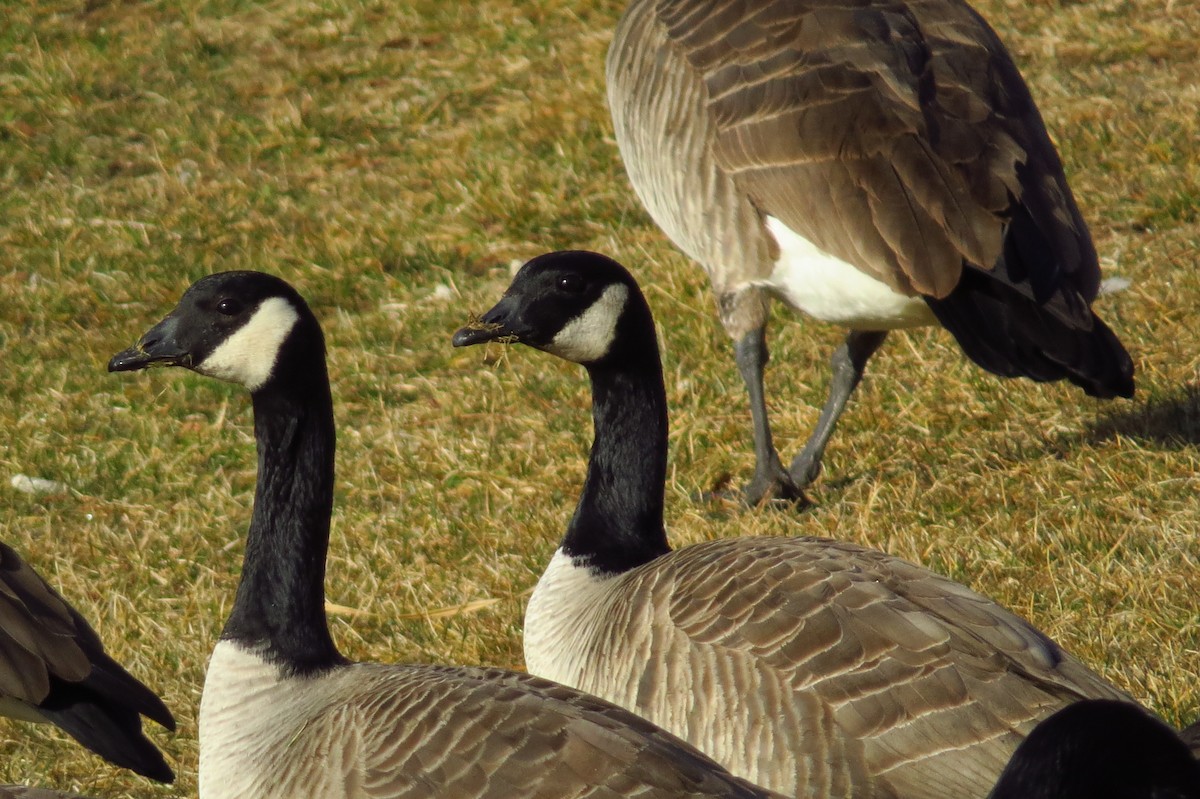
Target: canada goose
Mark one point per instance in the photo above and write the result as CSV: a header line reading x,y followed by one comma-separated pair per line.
x,y
1100,749
53,668
875,164
283,714
815,668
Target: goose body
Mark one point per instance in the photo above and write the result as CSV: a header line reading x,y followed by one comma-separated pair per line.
x,y
815,668
877,165
283,714
54,669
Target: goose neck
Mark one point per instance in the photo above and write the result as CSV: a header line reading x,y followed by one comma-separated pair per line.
x,y
280,603
618,523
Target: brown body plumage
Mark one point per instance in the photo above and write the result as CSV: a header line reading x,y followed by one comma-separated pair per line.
x,y
894,140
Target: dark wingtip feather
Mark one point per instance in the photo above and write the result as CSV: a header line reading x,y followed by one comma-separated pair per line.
x,y
1009,333
112,682
114,733
103,712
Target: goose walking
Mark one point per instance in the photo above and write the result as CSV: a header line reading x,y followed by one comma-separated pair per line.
x,y
283,714
874,164
815,668
54,669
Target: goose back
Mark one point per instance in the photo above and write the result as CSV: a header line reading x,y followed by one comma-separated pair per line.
x,y
896,137
378,730
876,677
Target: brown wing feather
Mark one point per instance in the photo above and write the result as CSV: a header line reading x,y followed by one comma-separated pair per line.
x,y
890,135
38,633
878,677
438,731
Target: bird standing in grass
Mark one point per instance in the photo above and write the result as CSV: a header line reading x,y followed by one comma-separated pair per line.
x,y
874,164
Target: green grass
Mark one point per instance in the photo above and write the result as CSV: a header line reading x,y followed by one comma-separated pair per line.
x,y
373,153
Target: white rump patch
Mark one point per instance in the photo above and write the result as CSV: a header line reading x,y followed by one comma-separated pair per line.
x,y
248,356
827,288
587,337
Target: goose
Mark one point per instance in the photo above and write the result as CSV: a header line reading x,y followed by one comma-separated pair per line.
x,y
812,667
875,164
283,714
1100,749
54,669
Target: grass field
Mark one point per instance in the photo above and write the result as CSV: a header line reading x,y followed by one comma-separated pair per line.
x,y
393,160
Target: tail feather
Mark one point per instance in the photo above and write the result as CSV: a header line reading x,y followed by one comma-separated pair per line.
x,y
1011,334
111,730
103,712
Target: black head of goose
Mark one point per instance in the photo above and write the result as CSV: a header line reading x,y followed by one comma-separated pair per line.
x,y
54,668
586,308
813,667
874,164
1100,749
283,714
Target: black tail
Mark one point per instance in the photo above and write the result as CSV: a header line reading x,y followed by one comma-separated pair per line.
x,y
1012,335
1100,748
103,712
1029,315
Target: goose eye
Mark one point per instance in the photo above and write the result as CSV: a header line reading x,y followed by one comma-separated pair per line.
x,y
572,284
228,307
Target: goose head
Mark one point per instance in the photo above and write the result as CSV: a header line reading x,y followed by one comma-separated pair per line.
x,y
578,305
248,328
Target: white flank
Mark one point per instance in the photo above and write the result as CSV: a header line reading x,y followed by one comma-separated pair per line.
x,y
829,289
565,607
587,337
248,356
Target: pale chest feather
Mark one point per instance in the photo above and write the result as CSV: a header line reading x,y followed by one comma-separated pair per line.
x,y
257,736
613,637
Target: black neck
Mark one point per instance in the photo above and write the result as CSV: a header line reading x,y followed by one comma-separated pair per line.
x,y
280,602
618,523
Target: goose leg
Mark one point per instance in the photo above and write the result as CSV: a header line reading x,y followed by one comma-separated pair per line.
x,y
849,361
770,480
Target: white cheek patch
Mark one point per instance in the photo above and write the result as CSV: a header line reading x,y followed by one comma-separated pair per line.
x,y
248,356
587,337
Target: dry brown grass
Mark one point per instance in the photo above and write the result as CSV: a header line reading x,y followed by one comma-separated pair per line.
x,y
391,160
